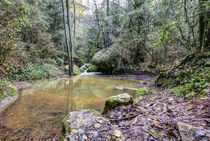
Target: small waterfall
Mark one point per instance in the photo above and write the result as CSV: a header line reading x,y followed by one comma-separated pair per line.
x,y
85,69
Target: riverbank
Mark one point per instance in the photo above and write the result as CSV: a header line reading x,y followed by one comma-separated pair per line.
x,y
19,87
157,116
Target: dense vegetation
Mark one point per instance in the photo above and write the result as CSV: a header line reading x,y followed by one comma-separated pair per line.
x,y
117,36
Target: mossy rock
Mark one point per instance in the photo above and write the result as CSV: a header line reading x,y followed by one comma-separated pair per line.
x,y
92,68
115,101
107,59
77,121
143,91
78,60
76,70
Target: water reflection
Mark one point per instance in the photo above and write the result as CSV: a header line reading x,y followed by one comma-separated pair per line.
x,y
38,112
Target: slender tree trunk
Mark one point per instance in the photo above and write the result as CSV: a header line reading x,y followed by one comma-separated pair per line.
x,y
65,34
107,41
98,22
107,7
69,27
204,23
74,38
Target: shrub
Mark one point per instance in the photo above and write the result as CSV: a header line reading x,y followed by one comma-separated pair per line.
x,y
59,61
33,71
92,68
51,61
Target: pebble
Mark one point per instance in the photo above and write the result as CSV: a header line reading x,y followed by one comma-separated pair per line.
x,y
97,125
100,121
84,137
73,131
117,133
199,134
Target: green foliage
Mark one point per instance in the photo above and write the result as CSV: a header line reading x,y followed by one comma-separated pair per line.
x,y
194,86
6,89
92,68
33,71
143,91
51,61
59,61
76,70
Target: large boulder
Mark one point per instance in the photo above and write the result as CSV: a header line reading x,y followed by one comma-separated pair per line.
x,y
115,101
192,133
107,59
74,124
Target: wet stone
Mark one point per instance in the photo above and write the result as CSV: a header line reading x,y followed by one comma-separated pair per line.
x,y
117,133
97,125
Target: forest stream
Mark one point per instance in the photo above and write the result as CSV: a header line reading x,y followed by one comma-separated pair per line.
x,y
38,112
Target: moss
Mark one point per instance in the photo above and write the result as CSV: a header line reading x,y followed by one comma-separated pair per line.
x,y
92,68
115,101
66,67
65,129
143,91
76,70
137,100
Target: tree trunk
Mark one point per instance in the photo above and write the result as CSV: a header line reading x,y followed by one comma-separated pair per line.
x,y
204,30
107,7
69,27
74,39
65,34
98,22
107,40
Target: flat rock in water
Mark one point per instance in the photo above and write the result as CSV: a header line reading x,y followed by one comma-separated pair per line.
x,y
121,88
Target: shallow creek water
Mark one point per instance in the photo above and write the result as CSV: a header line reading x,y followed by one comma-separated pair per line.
x,y
38,112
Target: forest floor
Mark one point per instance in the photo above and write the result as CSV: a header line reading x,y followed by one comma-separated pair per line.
x,y
159,116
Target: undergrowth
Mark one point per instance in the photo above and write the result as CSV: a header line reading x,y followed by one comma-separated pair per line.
x,y
6,89
33,71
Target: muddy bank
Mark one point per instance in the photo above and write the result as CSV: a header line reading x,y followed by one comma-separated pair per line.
x,y
20,86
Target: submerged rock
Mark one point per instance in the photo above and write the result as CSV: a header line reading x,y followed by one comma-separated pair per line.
x,y
121,88
191,133
22,85
115,101
74,124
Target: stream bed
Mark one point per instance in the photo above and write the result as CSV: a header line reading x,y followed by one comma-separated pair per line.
x,y
38,113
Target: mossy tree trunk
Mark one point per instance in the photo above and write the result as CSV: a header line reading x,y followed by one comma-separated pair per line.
x,y
65,35
204,30
70,37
